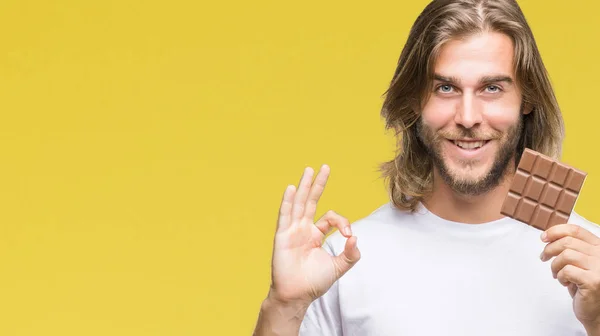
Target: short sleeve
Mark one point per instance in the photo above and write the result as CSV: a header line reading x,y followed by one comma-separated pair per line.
x,y
323,315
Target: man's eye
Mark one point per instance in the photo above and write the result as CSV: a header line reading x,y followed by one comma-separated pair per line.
x,y
445,88
493,88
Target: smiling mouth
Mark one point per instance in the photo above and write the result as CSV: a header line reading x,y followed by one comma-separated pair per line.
x,y
470,145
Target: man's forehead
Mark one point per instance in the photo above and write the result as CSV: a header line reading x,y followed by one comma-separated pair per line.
x,y
474,58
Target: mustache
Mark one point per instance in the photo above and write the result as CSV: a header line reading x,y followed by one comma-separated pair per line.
x,y
468,133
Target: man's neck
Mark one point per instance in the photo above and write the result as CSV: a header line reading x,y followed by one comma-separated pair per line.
x,y
446,203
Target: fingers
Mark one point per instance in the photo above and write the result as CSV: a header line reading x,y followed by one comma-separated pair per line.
x,y
559,231
285,210
577,252
348,258
315,192
299,203
570,257
330,220
571,275
558,246
572,289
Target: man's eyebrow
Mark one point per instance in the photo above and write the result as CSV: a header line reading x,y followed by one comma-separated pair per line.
x,y
446,79
483,80
496,79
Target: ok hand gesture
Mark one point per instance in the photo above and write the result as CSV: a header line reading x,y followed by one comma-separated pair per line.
x,y
302,270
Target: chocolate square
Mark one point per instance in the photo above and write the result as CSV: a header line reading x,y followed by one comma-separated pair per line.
x,y
543,191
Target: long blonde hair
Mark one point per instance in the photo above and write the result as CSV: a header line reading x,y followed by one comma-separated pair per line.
x,y
409,175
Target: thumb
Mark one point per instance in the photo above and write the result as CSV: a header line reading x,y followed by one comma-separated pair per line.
x,y
348,258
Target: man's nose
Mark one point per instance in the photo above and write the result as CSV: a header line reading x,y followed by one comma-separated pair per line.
x,y
469,111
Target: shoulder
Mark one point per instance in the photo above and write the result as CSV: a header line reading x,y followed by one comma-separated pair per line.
x,y
577,219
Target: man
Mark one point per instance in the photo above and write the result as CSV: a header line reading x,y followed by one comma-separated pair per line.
x,y
469,94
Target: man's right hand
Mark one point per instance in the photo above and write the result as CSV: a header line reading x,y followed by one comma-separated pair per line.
x,y
302,270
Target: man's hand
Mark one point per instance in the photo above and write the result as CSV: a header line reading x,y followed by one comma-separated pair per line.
x,y
302,270
577,267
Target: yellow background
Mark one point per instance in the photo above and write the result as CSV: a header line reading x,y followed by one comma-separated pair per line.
x,y
145,146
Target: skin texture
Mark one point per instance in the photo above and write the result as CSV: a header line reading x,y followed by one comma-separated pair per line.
x,y
474,97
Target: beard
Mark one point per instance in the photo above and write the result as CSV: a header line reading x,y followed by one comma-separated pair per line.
x,y
471,186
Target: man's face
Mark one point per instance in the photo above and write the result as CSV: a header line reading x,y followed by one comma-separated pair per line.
x,y
472,121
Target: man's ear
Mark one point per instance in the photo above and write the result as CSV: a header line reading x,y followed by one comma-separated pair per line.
x,y
527,108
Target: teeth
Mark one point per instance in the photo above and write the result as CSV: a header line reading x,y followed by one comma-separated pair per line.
x,y
469,144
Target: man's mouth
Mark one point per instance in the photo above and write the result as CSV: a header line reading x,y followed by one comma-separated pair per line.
x,y
471,144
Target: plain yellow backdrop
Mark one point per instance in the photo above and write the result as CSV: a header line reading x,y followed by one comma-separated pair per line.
x,y
145,146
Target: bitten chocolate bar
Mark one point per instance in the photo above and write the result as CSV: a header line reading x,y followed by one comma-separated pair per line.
x,y
543,191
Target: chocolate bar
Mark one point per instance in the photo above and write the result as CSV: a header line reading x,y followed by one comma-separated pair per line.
x,y
543,191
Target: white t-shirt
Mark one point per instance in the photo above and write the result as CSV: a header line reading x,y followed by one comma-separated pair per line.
x,y
422,275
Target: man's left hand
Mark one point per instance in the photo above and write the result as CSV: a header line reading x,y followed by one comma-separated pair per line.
x,y
577,267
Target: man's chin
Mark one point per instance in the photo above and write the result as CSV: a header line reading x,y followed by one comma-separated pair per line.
x,y
467,181
470,187
468,172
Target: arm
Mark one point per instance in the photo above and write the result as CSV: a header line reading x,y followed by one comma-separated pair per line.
x,y
592,332
279,319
